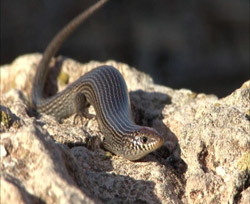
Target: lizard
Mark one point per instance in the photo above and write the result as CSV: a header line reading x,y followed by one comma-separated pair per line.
x,y
105,89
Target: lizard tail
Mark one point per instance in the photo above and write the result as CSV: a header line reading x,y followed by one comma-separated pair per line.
x,y
52,48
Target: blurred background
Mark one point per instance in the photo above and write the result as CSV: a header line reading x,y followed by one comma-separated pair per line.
x,y
199,45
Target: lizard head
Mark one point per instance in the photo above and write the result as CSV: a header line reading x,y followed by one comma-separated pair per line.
x,y
142,141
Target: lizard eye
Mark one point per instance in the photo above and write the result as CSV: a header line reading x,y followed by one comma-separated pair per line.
x,y
144,139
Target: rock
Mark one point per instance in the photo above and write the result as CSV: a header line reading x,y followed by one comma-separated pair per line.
x,y
3,151
205,158
42,167
13,192
245,196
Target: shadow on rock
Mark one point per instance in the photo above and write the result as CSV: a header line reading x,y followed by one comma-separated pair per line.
x,y
147,110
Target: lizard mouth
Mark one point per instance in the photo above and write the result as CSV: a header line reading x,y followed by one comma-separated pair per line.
x,y
140,150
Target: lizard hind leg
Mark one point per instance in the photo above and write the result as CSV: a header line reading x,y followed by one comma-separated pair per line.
x,y
81,105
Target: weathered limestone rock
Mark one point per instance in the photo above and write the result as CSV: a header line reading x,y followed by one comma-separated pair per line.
x,y
205,159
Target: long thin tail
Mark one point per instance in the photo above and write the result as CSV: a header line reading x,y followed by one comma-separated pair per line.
x,y
52,48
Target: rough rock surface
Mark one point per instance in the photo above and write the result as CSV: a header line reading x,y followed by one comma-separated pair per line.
x,y
205,158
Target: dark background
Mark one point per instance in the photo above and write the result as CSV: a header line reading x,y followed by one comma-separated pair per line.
x,y
200,45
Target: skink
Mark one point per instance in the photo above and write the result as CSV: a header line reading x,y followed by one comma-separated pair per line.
x,y
105,89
